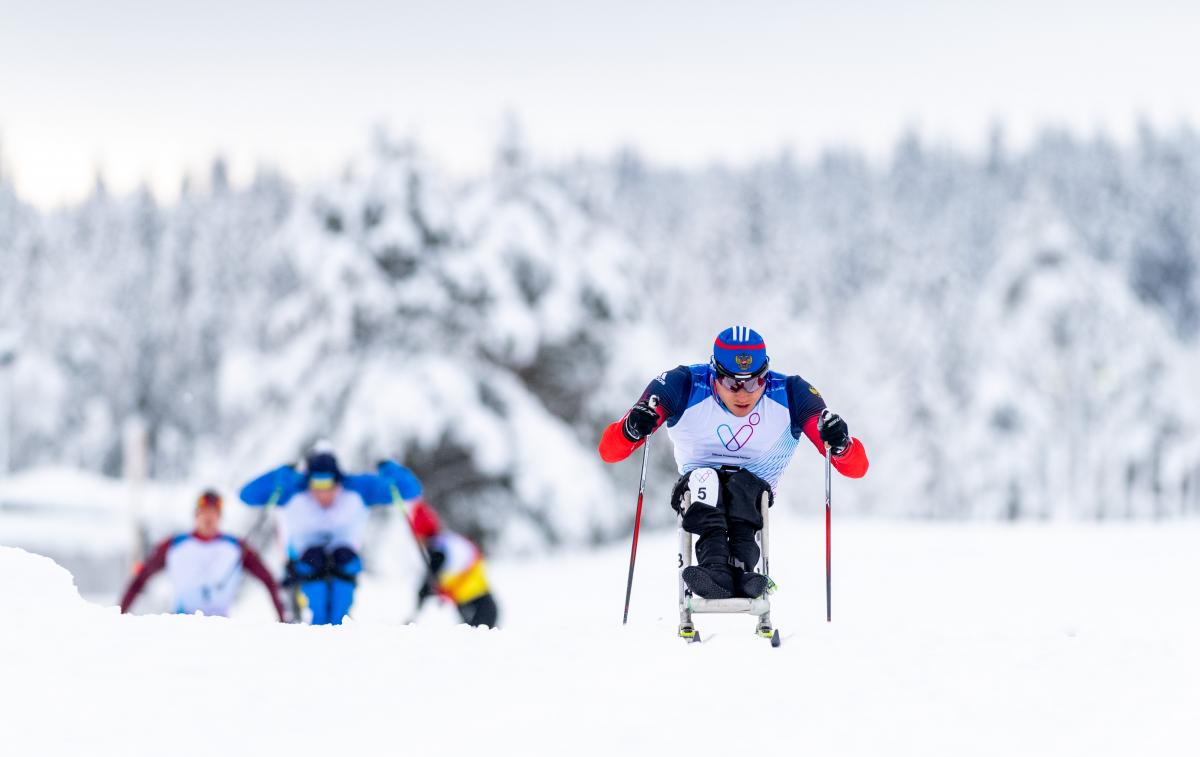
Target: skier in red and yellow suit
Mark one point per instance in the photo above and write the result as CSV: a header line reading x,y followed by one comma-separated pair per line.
x,y
457,571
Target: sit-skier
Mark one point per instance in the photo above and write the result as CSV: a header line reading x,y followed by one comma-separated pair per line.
x,y
455,569
205,566
324,513
734,424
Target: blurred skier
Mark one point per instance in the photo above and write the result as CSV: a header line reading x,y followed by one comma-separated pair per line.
x,y
455,570
324,512
205,566
734,424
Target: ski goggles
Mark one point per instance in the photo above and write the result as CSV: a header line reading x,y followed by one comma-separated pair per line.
x,y
321,481
750,385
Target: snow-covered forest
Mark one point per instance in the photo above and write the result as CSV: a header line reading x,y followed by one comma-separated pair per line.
x,y
1014,335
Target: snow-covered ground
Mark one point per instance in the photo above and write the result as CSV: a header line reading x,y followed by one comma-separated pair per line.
x,y
946,640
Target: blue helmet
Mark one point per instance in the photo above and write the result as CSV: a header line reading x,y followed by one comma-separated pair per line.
x,y
740,351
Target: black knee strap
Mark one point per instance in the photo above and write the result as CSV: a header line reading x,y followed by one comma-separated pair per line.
x,y
701,518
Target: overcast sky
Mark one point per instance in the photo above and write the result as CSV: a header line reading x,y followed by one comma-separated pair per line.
x,y
150,90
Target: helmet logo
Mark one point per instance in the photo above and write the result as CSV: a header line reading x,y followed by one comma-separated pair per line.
x,y
743,361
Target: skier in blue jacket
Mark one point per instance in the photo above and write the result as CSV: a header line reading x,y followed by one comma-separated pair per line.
x,y
324,512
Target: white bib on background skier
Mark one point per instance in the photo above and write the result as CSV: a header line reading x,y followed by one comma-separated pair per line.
x,y
205,573
306,523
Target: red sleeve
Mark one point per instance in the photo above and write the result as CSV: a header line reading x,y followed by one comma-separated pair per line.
x,y
156,562
254,565
852,463
614,447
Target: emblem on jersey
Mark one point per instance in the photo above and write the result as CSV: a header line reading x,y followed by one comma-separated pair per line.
x,y
662,378
813,389
735,440
743,361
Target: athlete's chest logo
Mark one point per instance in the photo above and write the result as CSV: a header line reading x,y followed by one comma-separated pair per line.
x,y
735,440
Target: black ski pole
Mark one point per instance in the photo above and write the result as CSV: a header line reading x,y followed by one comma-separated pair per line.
x,y
431,575
637,520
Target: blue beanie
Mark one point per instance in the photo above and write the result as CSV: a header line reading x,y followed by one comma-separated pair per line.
x,y
740,351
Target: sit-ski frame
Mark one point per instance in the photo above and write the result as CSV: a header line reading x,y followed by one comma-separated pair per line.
x,y
690,603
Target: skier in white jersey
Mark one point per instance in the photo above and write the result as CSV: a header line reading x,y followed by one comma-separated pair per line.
x,y
205,566
324,513
734,424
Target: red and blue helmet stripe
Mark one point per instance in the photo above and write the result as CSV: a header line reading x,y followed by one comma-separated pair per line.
x,y
740,351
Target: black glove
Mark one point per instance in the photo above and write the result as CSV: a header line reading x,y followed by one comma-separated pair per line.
x,y
641,420
834,432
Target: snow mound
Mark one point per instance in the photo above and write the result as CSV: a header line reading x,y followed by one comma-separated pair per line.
x,y
32,585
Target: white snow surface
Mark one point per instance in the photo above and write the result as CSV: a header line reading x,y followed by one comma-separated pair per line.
x,y
946,640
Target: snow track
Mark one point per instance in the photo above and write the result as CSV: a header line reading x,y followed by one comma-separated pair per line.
x,y
946,640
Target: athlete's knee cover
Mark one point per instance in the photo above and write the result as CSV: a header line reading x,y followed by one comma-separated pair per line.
x,y
742,491
341,596
699,486
345,564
